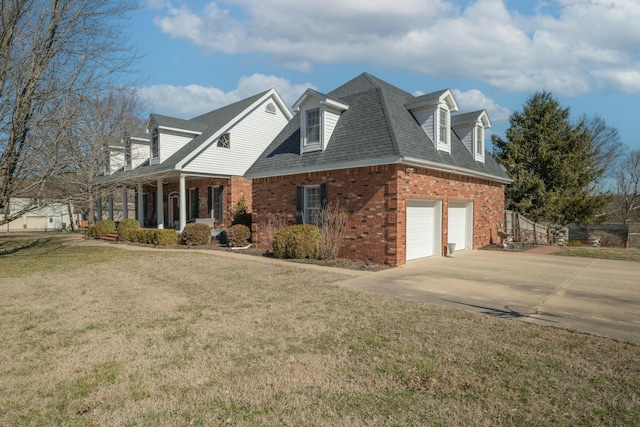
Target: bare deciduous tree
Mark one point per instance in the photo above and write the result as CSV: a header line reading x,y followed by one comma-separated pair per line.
x,y
606,146
51,53
626,202
99,122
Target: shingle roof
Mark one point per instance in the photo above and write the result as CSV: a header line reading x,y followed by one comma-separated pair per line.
x,y
376,129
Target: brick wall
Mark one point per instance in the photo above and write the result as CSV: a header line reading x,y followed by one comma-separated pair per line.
x,y
376,200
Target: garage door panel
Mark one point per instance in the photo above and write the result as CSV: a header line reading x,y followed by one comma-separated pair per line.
x,y
457,231
420,229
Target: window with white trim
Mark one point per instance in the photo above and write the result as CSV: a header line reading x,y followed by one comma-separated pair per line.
x,y
312,204
479,140
313,127
155,144
443,126
214,202
127,155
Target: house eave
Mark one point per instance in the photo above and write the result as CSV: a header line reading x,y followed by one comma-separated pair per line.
x,y
412,161
323,168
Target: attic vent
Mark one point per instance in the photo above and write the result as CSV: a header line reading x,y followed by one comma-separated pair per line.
x,y
270,108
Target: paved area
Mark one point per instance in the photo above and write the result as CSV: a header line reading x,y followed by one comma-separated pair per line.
x,y
600,297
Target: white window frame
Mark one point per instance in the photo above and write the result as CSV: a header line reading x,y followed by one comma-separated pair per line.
x,y
220,190
312,212
444,127
308,144
479,138
155,146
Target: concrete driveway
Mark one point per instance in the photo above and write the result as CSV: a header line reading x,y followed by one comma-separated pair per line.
x,y
599,297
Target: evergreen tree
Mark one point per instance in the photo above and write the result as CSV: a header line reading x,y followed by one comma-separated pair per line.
x,y
550,162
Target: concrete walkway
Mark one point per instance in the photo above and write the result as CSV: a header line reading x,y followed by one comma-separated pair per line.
x,y
595,296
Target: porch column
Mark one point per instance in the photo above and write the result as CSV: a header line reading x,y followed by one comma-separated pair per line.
x,y
160,206
110,206
183,202
140,206
99,208
125,203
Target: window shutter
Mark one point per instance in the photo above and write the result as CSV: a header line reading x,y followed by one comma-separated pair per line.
x,y
196,204
299,205
323,196
209,200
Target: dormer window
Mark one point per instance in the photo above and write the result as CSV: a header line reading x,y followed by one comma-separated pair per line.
x,y
444,136
155,144
127,155
433,113
479,140
319,115
313,127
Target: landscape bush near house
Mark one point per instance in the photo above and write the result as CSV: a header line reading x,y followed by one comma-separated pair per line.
x,y
242,216
269,229
105,227
333,223
607,239
238,236
125,227
92,231
152,236
195,234
298,242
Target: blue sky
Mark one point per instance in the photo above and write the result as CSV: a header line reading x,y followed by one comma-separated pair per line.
x,y
200,55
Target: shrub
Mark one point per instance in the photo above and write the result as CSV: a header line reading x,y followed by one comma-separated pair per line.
x,y
574,243
333,223
165,237
92,231
196,234
238,235
269,229
242,216
607,239
298,241
125,227
152,236
105,227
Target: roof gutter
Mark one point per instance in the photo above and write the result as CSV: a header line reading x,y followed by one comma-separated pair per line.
x,y
412,161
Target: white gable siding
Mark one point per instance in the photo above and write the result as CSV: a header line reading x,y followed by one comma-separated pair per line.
x,y
170,142
426,119
330,120
465,133
116,160
139,154
249,137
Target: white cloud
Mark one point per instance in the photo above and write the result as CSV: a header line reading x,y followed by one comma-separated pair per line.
x,y
571,50
193,100
474,100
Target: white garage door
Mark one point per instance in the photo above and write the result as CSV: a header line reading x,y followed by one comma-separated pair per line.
x,y
458,225
420,228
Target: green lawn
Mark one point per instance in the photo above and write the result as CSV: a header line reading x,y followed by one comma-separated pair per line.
x,y
105,336
604,253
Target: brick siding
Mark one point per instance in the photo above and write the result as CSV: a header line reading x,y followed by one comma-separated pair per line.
x,y
376,200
